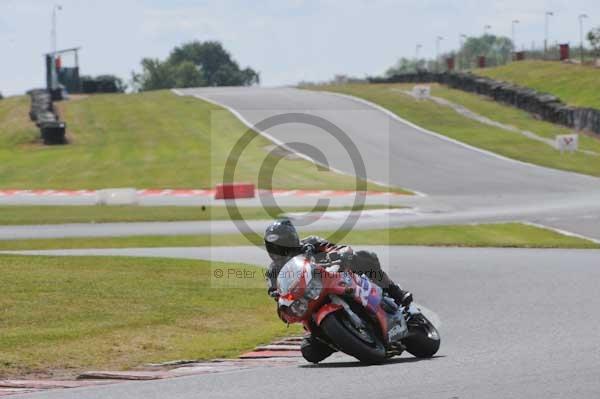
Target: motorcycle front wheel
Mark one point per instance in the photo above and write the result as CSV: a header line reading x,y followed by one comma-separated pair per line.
x,y
362,344
424,339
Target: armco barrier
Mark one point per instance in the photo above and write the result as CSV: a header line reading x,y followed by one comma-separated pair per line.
x,y
235,190
547,106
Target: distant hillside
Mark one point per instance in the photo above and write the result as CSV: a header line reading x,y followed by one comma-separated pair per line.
x,y
574,84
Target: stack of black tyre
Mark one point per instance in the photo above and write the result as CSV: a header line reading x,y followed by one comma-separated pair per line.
x,y
42,112
547,106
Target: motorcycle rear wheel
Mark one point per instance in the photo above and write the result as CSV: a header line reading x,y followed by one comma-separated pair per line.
x,y
424,339
349,342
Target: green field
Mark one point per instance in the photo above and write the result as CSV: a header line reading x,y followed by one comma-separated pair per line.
x,y
576,85
64,315
148,140
484,235
446,121
34,215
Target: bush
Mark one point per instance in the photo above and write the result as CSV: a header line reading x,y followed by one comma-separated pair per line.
x,y
102,84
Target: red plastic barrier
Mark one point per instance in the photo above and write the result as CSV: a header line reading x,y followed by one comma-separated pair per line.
x,y
235,190
481,61
564,52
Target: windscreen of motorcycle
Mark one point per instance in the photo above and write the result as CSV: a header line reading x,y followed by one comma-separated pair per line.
x,y
293,278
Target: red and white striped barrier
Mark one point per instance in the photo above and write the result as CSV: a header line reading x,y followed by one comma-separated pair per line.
x,y
191,193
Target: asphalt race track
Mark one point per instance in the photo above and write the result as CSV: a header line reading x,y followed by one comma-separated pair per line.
x,y
514,323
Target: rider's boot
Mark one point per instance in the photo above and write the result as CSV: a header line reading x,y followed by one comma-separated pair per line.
x,y
401,297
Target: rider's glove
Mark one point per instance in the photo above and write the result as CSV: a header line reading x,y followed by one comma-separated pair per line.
x,y
273,293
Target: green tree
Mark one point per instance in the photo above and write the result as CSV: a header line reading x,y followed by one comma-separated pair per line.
x,y
496,49
187,74
155,75
593,37
194,64
405,65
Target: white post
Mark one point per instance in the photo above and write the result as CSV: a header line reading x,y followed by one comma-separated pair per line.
x,y
462,40
514,40
53,48
546,27
581,18
437,52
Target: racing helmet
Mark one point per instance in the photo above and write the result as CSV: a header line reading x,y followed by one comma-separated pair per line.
x,y
281,240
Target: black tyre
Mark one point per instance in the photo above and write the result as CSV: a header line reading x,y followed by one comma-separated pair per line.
x,y
314,351
363,345
424,340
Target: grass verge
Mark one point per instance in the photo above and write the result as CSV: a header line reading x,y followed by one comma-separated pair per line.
x,y
515,235
63,315
446,121
576,85
146,140
35,215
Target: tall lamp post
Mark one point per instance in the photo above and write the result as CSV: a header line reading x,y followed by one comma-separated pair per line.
x,y
437,52
55,8
581,18
417,50
514,42
547,22
53,72
461,40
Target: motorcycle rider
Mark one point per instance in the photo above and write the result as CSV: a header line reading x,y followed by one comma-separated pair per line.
x,y
282,244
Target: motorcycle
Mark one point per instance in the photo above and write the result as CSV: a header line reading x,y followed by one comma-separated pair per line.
x,y
349,313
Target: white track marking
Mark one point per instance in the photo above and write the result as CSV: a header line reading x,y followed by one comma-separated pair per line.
x,y
561,231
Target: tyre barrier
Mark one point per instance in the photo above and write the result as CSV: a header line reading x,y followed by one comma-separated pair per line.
x,y
547,106
53,132
42,112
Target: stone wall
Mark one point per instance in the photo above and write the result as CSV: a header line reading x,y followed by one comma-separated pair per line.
x,y
547,106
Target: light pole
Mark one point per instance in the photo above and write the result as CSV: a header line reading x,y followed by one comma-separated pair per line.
x,y
53,71
513,24
437,52
581,18
417,50
55,8
486,28
548,15
462,40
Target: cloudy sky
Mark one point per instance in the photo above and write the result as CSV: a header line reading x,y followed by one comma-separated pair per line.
x,y
286,40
